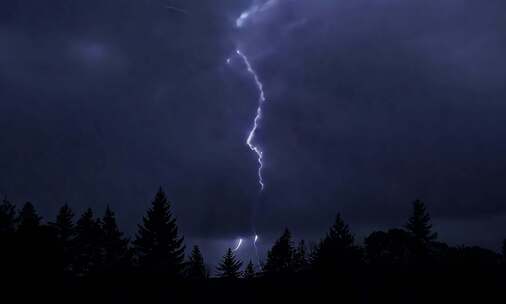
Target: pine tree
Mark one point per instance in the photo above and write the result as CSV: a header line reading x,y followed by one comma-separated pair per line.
x,y
7,238
7,217
114,245
88,241
300,257
249,271
229,267
64,224
337,250
33,243
419,224
196,269
28,219
280,259
157,244
65,233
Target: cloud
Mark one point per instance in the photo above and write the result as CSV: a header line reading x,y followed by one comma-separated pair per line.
x,y
376,103
371,104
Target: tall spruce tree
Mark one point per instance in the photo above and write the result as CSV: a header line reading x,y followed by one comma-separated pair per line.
x,y
419,224
114,245
337,251
64,224
34,244
88,244
230,266
249,271
7,217
280,259
300,261
65,233
158,245
7,238
28,219
196,269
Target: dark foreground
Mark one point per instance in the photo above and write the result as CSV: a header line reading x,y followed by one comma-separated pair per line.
x,y
464,285
91,261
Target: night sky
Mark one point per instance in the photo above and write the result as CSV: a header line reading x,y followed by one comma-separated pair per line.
x,y
371,104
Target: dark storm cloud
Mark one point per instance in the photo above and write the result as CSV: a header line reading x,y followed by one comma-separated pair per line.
x,y
103,101
371,105
380,102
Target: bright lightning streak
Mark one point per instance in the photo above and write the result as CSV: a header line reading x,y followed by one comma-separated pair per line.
x,y
245,16
256,249
239,243
261,100
253,11
240,22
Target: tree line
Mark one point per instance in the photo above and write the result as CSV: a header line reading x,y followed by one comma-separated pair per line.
x,y
94,245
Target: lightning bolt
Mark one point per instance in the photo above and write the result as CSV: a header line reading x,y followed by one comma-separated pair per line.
x,y
255,239
250,140
254,10
239,243
251,135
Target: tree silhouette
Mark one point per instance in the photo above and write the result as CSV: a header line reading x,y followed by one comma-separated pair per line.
x,y
229,267
196,269
300,260
395,266
7,237
65,233
376,247
114,245
393,247
64,224
419,223
88,253
474,257
249,271
35,244
280,259
157,244
337,250
28,219
7,217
